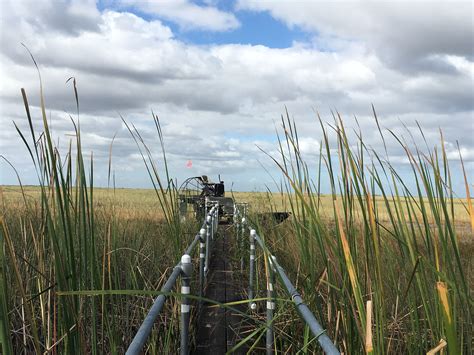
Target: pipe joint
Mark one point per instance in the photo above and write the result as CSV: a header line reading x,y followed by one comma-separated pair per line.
x,y
296,297
186,266
202,235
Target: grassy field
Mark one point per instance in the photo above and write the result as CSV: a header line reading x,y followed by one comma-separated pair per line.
x,y
387,269
128,247
267,202
134,253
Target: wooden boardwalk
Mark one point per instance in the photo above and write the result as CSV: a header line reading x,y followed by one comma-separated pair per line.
x,y
219,329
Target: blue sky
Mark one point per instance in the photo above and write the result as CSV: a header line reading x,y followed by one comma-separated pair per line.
x,y
256,28
220,74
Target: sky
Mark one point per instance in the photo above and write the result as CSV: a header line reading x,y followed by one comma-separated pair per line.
x,y
219,74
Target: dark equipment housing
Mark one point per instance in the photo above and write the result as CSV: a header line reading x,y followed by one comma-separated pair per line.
x,y
196,191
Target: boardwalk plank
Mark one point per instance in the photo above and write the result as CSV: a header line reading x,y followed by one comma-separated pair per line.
x,y
219,328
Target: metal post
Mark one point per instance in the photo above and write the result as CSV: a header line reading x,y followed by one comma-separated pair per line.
x,y
211,215
270,309
202,256
251,267
208,246
242,242
213,223
186,268
237,228
217,217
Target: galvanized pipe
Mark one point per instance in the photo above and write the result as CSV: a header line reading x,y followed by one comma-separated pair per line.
x,y
242,242
187,268
208,227
184,267
193,244
251,267
304,311
144,331
202,256
317,330
217,218
270,309
237,232
212,224
208,245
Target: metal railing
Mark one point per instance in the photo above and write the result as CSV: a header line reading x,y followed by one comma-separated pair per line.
x,y
183,269
275,269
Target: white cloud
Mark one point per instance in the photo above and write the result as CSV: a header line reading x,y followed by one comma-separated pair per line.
x,y
69,17
216,102
403,33
187,14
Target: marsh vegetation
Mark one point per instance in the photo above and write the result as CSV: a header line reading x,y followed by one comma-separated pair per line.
x,y
385,267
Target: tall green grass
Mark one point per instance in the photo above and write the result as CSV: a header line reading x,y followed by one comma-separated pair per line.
x,y
396,283
387,268
65,242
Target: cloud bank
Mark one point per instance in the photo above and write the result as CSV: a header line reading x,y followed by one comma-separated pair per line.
x,y
217,102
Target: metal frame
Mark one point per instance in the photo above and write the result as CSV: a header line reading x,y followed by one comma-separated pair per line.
x,y
183,269
275,269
